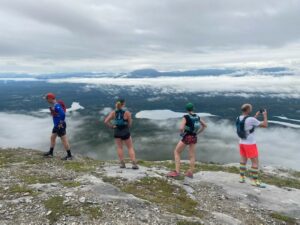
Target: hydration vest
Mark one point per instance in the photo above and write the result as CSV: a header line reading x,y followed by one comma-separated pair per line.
x,y
240,128
192,124
119,119
63,106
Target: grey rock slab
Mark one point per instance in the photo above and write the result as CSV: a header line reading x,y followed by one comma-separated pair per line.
x,y
271,197
226,219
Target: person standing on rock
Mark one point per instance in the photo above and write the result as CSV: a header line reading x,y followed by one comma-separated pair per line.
x,y
246,125
191,126
58,112
120,121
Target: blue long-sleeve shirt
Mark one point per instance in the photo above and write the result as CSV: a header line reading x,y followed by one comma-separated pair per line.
x,y
58,114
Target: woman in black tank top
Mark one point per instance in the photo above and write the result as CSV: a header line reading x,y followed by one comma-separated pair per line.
x,y
120,120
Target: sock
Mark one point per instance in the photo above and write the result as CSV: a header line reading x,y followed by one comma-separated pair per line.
x,y
242,169
254,173
69,153
51,151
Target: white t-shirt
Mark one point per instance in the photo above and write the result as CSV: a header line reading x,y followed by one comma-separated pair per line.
x,y
249,124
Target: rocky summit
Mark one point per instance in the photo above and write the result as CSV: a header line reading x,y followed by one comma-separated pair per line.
x,y
35,190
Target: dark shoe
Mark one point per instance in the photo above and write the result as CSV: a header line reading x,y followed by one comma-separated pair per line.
x,y
135,166
122,165
48,154
67,157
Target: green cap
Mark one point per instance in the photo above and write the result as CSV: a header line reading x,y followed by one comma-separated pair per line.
x,y
189,107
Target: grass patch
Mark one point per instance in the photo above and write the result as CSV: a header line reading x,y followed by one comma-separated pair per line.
x,y
94,212
287,219
58,208
280,181
35,179
171,197
70,184
19,189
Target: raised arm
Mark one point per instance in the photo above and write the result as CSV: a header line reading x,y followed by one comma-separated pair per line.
x,y
203,126
264,124
108,120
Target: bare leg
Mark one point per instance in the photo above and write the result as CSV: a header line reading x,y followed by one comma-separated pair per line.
x,y
130,148
119,148
243,160
53,140
65,142
179,148
192,156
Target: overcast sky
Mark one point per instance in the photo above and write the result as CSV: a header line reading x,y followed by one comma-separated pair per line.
x,y
119,35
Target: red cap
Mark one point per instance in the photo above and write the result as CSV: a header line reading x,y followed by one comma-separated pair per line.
x,y
50,96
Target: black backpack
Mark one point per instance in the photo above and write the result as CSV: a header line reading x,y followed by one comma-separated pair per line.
x,y
240,127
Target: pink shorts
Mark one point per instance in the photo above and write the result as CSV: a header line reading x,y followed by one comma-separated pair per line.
x,y
249,151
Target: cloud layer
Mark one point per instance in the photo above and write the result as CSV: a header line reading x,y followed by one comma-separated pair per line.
x,y
76,35
271,86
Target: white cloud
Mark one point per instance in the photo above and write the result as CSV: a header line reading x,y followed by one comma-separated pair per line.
x,y
164,114
18,130
273,86
110,34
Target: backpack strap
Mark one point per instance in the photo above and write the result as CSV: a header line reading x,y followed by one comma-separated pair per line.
x,y
244,120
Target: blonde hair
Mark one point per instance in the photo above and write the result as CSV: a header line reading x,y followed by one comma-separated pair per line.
x,y
246,107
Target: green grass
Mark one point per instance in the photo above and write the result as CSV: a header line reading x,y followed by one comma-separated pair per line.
x,y
287,219
94,212
70,184
35,179
19,189
171,197
79,166
58,208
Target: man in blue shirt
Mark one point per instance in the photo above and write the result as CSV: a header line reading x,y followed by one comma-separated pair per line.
x,y
58,112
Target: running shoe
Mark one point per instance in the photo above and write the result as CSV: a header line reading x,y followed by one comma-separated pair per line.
x,y
173,174
122,165
242,179
135,166
258,183
189,174
48,154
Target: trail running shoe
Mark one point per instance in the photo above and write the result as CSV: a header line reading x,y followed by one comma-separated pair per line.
x,y
48,154
122,165
173,174
135,166
67,158
258,183
242,179
189,174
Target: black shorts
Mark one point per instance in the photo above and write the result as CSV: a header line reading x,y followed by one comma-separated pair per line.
x,y
122,133
123,137
60,131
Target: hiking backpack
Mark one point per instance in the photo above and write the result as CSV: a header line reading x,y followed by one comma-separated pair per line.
x,y
63,105
240,127
193,123
119,119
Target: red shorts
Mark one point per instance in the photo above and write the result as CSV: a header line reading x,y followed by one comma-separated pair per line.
x,y
249,151
189,139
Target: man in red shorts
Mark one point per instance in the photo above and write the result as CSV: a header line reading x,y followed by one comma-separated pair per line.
x,y
248,150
